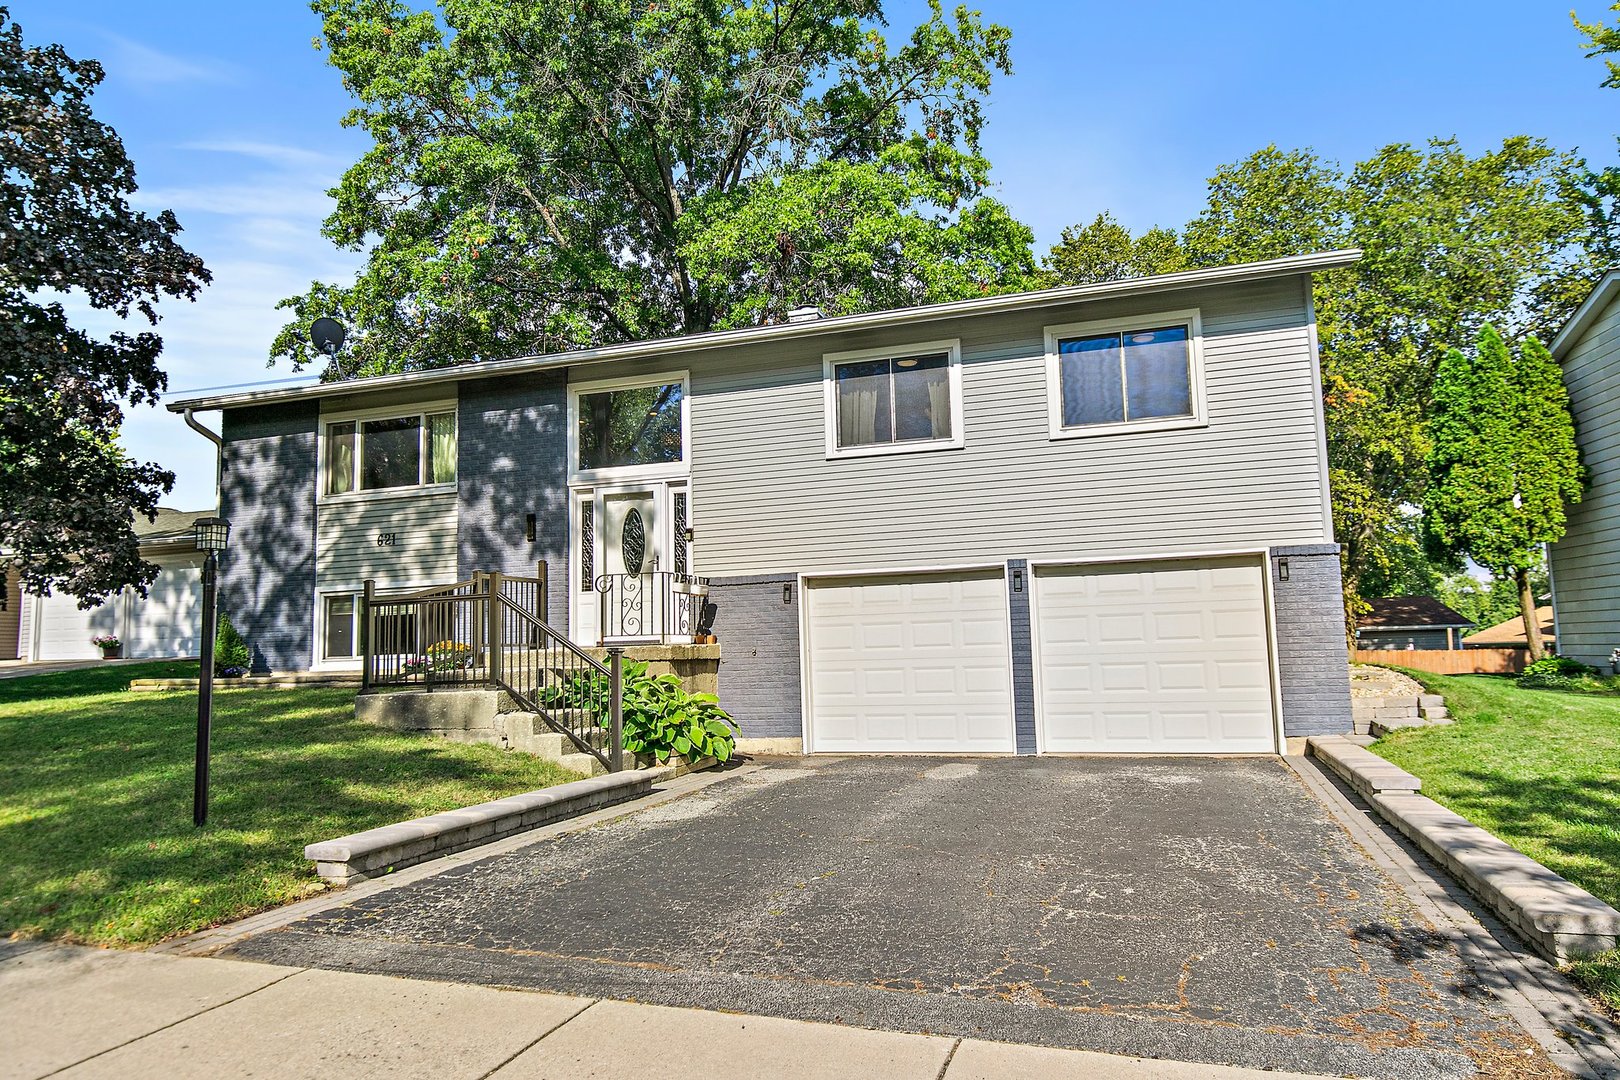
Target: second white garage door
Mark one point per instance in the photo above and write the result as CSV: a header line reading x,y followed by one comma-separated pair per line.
x,y
1143,658
910,664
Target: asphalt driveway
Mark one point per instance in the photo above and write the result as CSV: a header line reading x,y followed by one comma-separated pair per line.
x,y
1196,908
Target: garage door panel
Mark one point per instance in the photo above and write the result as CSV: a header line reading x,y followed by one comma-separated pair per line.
x,y
1194,678
932,673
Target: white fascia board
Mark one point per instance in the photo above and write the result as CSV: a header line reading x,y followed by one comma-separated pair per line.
x,y
1585,315
1026,301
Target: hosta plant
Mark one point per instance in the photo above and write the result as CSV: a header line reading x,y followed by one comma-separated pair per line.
x,y
660,716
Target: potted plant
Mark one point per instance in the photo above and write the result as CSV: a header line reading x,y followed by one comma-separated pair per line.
x,y
111,648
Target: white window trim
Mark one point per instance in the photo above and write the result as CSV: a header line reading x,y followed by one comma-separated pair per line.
x,y
318,659
952,348
658,470
1188,317
359,416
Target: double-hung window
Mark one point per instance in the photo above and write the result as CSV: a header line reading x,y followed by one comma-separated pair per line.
x,y
400,451
894,400
1124,374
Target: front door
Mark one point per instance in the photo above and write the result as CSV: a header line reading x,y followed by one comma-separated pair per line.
x,y
628,536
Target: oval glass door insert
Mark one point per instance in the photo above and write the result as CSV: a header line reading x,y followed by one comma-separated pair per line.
x,y
633,542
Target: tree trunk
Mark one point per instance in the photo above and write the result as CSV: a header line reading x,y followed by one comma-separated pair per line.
x,y
1527,606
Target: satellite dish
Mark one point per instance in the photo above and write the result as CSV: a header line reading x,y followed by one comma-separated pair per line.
x,y
327,335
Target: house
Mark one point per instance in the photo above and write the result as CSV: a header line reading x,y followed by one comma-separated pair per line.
x,y
1085,519
1509,633
1585,564
1410,622
164,624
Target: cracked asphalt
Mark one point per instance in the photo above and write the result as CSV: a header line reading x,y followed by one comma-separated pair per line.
x,y
1195,908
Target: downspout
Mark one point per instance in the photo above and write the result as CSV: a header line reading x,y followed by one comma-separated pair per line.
x,y
219,454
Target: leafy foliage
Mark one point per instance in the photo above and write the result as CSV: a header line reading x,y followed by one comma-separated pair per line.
x,y
1602,40
68,494
231,653
660,717
545,176
1503,466
1484,603
1558,673
1106,251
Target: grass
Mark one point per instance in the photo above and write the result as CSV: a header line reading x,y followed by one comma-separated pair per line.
x,y
95,799
1538,768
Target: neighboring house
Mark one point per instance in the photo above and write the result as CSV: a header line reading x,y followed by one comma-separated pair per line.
x,y
1585,564
1410,622
1509,633
165,624
1092,518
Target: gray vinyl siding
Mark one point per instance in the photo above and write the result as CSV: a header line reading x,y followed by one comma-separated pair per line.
x,y
424,551
1401,639
1586,562
768,500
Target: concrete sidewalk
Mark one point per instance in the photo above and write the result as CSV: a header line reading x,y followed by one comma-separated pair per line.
x,y
76,1012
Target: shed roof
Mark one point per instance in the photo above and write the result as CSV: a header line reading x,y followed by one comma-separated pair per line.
x,y
1409,613
1511,631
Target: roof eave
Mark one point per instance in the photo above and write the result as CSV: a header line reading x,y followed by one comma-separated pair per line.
x,y
1221,275
1585,315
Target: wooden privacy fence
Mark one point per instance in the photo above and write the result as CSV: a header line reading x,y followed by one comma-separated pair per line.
x,y
1447,661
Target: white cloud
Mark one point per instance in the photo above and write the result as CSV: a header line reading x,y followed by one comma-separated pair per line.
x,y
147,68
272,153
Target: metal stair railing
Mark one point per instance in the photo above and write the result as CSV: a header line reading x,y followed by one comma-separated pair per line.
x,y
490,631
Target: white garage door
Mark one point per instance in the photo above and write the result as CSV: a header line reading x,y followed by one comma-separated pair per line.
x,y
169,621
910,664
1154,658
63,632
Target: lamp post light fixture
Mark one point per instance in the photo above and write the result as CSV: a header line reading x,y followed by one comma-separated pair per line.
x,y
212,534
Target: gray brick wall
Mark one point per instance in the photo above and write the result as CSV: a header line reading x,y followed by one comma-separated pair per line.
x,y
759,654
1023,656
267,492
513,461
1311,654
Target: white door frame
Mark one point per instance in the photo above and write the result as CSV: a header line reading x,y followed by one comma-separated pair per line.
x,y
584,622
806,582
1279,742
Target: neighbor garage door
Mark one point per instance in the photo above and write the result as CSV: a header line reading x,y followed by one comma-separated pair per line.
x,y
1154,658
63,632
169,621
914,664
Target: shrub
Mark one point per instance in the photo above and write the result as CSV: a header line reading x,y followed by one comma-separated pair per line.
x,y
231,654
660,716
1562,673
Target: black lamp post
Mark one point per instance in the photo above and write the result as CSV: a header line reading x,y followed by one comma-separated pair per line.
x,y
212,534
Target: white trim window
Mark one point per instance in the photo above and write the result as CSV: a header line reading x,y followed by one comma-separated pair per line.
x,y
629,427
894,400
388,450
340,633
1142,373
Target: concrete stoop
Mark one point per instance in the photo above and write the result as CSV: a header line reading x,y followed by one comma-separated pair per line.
x,y
1558,918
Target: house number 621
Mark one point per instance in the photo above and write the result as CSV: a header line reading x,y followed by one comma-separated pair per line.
x,y
387,539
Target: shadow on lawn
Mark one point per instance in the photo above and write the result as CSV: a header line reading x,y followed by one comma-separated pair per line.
x,y
97,795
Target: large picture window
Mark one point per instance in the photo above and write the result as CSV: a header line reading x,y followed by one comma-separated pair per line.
x,y
907,399
1115,375
638,425
390,452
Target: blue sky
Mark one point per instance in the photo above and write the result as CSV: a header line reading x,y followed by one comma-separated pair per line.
x,y
231,117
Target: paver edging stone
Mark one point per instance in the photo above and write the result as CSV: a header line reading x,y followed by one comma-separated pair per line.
x,y
1557,917
368,854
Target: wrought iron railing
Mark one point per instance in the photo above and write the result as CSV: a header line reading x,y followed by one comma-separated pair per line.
x,y
490,631
661,606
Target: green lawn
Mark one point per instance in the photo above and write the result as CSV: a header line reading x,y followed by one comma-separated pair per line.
x,y
95,799
1540,769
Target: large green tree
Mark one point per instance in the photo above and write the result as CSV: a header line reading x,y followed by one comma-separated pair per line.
x,y
1602,40
550,175
1105,250
68,493
1451,241
1503,466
